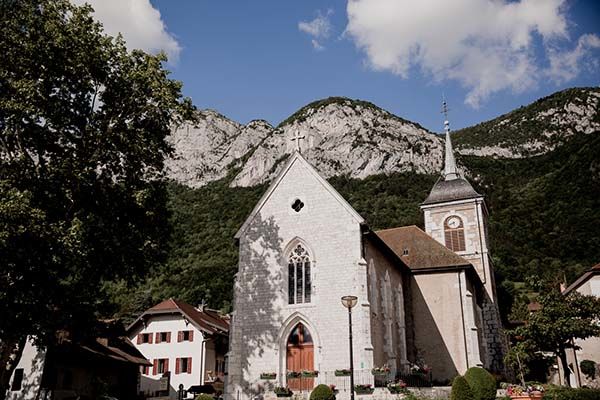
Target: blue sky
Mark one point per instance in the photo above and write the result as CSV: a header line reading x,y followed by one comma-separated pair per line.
x,y
266,58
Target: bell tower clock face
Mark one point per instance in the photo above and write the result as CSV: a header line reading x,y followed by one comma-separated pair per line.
x,y
453,222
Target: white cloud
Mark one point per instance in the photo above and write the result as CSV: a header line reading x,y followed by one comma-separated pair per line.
x,y
566,65
486,45
319,28
139,23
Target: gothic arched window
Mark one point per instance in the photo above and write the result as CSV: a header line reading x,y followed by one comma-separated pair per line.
x,y
454,232
299,282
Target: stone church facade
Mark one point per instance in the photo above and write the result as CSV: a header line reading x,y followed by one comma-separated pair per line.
x,y
424,297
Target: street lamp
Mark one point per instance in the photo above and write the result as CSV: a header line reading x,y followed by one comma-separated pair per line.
x,y
349,302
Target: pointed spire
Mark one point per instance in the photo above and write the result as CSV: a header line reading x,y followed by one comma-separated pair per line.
x,y
450,170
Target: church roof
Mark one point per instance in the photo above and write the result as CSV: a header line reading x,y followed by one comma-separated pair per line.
x,y
420,251
450,190
205,319
297,158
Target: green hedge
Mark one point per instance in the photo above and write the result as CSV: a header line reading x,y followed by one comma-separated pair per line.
x,y
482,383
461,389
560,393
204,397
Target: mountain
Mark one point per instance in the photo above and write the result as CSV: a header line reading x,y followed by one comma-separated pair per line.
x,y
544,205
536,128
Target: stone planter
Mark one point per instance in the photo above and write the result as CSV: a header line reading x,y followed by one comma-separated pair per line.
x,y
364,390
268,377
530,396
310,374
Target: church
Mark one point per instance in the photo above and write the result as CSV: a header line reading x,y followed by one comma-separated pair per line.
x,y
425,297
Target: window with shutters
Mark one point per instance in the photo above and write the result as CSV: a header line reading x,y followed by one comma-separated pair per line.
x,y
162,366
144,338
454,233
185,336
299,277
163,337
183,365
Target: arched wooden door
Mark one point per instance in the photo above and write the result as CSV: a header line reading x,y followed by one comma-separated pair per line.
x,y
300,357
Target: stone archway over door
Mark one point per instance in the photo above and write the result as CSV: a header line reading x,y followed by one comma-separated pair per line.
x,y
300,357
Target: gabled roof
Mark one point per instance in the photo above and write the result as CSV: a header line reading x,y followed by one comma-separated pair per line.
x,y
424,252
206,320
595,270
297,158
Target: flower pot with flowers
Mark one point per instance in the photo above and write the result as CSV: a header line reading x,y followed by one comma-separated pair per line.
x,y
380,371
268,375
529,392
334,389
293,374
281,391
309,374
342,372
398,387
364,389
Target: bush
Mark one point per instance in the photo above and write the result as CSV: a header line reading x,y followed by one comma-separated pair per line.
x,y
204,397
482,383
461,389
563,393
322,392
588,367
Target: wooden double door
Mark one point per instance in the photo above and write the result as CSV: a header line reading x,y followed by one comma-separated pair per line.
x,y
300,357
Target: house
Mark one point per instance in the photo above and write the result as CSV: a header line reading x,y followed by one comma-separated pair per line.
x,y
185,344
589,349
107,365
425,297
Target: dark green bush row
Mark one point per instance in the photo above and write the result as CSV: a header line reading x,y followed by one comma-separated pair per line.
x,y
558,393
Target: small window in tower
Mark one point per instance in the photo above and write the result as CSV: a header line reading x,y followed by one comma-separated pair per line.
x,y
454,233
405,252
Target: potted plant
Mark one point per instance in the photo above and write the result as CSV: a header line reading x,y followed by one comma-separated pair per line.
x,y
309,374
398,387
363,389
380,371
268,375
333,389
293,374
342,372
281,391
531,392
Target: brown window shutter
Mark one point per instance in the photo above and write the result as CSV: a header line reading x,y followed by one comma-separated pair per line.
x,y
189,366
177,362
139,339
166,365
192,335
168,337
150,338
155,367
157,340
179,336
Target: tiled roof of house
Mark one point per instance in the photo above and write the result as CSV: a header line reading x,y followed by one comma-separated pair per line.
x,y
595,270
420,251
209,321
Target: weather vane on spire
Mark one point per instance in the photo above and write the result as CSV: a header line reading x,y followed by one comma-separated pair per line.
x,y
297,137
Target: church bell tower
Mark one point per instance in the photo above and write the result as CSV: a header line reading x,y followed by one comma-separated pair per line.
x,y
456,216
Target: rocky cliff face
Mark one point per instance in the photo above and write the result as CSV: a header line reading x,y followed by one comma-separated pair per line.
x,y
535,129
356,138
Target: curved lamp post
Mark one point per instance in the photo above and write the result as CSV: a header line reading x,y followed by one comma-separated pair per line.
x,y
349,302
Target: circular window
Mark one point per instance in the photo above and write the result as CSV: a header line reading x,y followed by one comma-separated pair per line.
x,y
297,205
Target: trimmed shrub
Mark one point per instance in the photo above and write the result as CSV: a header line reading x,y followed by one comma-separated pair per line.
x,y
461,389
563,393
322,392
204,397
482,383
588,367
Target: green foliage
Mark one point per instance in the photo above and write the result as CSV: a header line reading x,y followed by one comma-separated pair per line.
x,y
482,383
461,389
588,367
563,393
322,392
83,125
204,397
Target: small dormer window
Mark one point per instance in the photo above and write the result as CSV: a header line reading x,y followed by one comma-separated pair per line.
x,y
454,233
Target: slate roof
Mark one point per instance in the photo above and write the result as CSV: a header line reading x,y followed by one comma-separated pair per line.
x,y
424,252
595,270
206,320
449,190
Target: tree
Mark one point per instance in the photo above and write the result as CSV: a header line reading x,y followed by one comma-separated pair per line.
x,y
560,321
83,125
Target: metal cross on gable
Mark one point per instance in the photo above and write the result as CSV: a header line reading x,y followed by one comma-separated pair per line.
x,y
297,137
